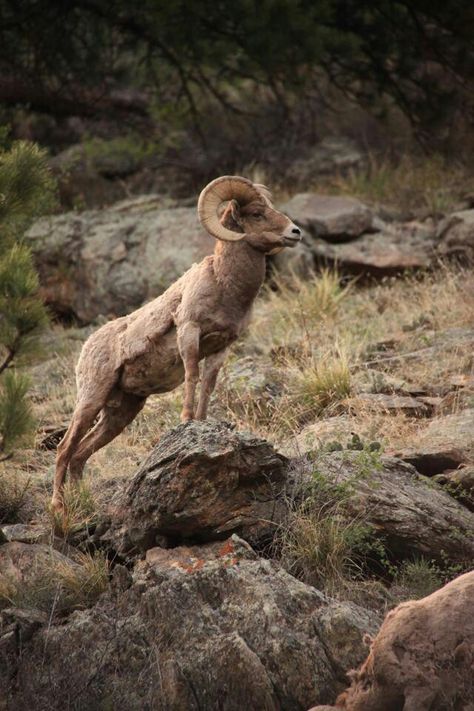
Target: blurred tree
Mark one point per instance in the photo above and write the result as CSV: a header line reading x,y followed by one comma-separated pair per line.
x,y
26,190
83,56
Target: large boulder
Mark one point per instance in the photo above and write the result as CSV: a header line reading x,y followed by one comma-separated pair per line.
x,y
110,261
335,218
422,658
393,250
202,481
207,627
412,515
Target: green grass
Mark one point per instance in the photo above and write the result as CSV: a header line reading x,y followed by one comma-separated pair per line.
x,y
320,385
418,578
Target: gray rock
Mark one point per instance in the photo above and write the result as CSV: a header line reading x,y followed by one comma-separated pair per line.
x,y
25,533
460,484
229,633
331,155
456,236
333,217
388,403
110,261
398,248
200,482
413,516
445,443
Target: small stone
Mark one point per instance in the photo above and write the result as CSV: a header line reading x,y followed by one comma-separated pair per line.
x,y
389,403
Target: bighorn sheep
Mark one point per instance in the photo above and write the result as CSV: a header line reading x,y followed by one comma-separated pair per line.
x,y
159,345
422,659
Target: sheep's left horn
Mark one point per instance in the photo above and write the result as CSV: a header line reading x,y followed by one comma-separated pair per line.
x,y
229,187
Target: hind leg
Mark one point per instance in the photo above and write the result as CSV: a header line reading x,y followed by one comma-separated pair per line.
x,y
82,419
113,421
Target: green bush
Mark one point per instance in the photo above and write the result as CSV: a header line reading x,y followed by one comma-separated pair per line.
x,y
26,191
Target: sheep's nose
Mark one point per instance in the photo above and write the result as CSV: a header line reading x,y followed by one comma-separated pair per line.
x,y
296,231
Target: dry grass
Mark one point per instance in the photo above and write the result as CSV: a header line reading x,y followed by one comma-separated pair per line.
x,y
58,586
319,543
320,385
317,546
401,327
428,185
79,511
81,586
14,487
288,315
292,349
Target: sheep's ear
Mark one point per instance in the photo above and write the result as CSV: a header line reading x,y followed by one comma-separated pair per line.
x,y
231,217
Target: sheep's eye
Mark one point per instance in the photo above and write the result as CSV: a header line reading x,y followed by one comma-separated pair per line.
x,y
257,215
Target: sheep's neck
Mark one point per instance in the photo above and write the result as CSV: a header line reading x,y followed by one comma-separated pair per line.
x,y
240,269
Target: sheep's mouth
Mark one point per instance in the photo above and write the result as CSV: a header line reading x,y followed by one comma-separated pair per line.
x,y
291,241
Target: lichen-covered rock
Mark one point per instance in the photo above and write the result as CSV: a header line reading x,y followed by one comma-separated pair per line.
x,y
110,261
25,533
229,633
202,481
422,658
413,516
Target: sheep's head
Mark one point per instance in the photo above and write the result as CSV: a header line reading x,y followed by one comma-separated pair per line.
x,y
248,215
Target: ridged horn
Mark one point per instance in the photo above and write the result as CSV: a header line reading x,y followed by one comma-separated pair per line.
x,y
228,187
265,193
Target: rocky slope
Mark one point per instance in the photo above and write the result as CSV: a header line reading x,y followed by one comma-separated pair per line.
x,y
220,565
198,618
108,262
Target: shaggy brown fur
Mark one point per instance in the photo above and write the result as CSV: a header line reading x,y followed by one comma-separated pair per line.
x,y
159,346
422,658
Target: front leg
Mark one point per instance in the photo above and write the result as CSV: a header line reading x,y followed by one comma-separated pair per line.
x,y
212,365
188,344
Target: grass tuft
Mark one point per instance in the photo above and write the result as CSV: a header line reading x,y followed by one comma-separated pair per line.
x,y
59,586
321,385
81,586
417,578
319,543
78,513
14,487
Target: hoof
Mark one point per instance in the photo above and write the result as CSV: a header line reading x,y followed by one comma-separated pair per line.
x,y
57,504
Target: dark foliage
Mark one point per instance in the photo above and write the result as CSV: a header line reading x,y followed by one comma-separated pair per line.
x,y
89,57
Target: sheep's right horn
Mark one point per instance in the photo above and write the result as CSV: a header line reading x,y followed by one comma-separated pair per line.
x,y
229,187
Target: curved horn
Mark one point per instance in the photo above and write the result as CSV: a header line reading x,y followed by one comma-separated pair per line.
x,y
265,193
229,187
